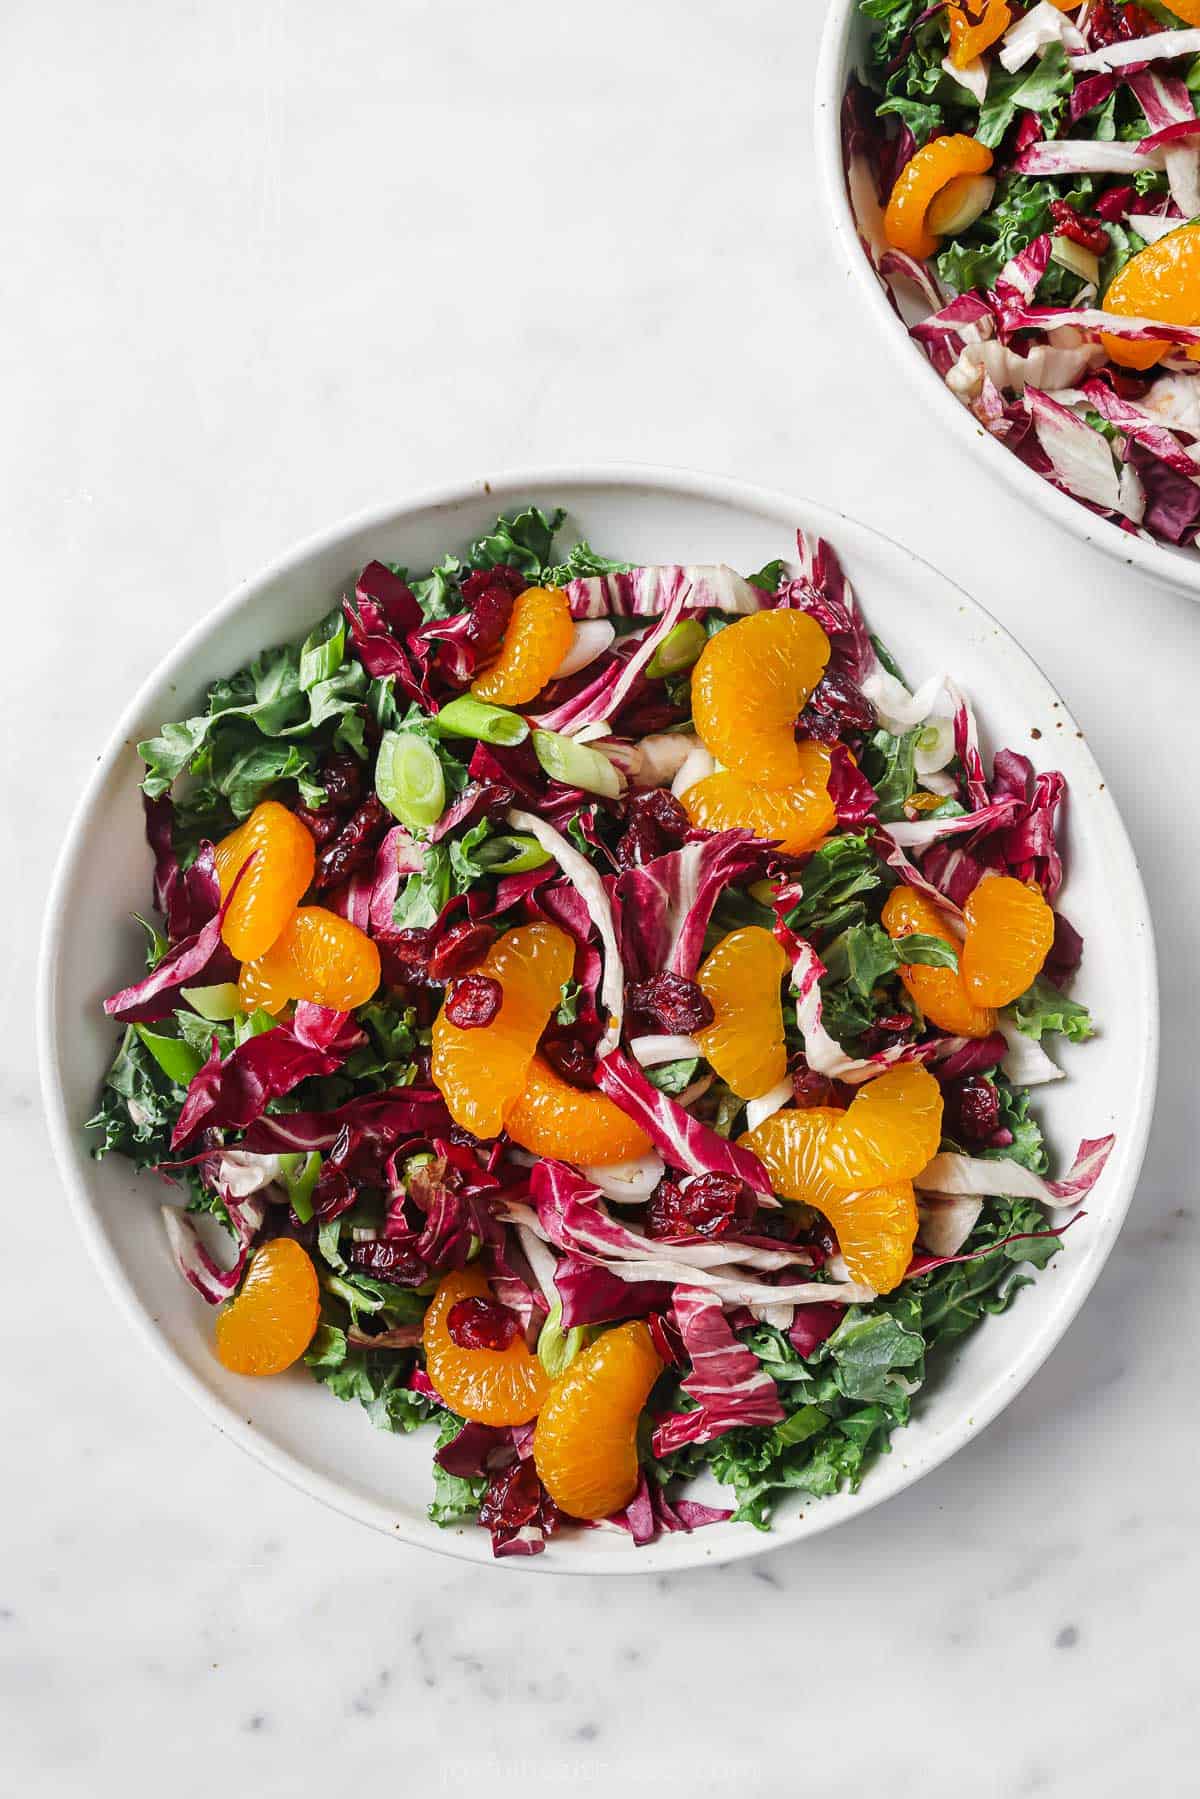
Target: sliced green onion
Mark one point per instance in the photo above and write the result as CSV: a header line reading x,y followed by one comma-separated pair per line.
x,y
959,204
214,1003
409,779
557,1348
177,1059
465,717
252,1024
1074,258
300,1175
511,854
575,764
678,650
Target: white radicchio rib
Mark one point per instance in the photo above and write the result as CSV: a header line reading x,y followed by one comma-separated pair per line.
x,y
590,888
821,1052
1004,1179
641,592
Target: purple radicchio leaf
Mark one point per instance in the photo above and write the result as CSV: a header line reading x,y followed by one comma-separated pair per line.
x,y
732,1390
663,906
233,1093
683,1141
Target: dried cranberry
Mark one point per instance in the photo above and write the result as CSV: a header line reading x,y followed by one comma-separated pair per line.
x,y
706,1205
656,822
354,846
837,708
812,1089
672,1002
474,1001
458,947
972,1109
408,953
1109,23
503,575
479,1323
394,1262
570,1057
321,824
1088,233
489,595
341,777
887,1032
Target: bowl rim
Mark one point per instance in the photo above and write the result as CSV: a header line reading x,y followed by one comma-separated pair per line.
x,y
471,1544
1170,565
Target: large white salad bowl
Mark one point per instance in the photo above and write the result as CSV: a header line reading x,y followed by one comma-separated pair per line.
x,y
91,947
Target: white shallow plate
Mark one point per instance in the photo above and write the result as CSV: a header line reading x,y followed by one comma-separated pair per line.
x,y
841,54
328,1448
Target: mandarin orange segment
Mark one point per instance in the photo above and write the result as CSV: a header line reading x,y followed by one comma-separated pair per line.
x,y
552,1118
1010,930
1160,282
890,1131
271,1322
482,1073
488,1386
539,634
798,818
790,1144
750,686
876,1230
876,1227
918,184
319,956
974,27
744,1042
939,992
585,1444
273,885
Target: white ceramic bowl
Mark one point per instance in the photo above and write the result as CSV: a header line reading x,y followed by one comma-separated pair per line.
x,y
329,1448
841,54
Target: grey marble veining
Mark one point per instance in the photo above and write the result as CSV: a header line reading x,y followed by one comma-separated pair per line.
x,y
266,264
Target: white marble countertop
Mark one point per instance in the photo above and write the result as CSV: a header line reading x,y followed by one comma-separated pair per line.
x,y
267,264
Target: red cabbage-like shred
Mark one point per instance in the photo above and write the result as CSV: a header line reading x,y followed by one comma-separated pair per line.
x,y
186,898
232,1093
811,1325
376,1118
199,958
732,1390
661,908
683,1141
591,1295
650,1514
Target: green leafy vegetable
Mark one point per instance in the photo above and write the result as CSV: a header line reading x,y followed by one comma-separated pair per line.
x,y
674,1077
1043,1008
1040,87
837,878
887,762
454,1498
520,540
1020,211
843,1402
